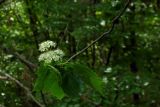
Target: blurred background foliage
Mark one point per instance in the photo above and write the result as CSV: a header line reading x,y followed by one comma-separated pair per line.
x,y
128,60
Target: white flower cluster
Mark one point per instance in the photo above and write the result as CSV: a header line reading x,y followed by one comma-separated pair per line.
x,y
45,46
146,84
6,57
108,70
105,80
50,56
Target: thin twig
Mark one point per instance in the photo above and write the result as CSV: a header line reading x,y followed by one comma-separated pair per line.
x,y
9,77
114,21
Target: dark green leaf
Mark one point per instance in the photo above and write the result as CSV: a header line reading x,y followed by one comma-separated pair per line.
x,y
71,84
87,75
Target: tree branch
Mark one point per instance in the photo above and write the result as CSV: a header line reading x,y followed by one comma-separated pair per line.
x,y
109,55
9,77
2,1
2,105
29,64
114,21
3,78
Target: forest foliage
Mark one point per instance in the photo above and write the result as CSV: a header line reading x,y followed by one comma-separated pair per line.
x,y
79,53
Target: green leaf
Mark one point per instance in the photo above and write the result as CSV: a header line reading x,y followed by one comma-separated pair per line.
x,y
52,86
71,84
49,81
87,75
42,74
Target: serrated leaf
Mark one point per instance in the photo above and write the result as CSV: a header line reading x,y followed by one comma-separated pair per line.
x,y
49,81
52,86
71,84
87,75
42,73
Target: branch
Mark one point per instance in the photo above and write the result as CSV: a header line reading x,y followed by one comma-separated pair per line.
x,y
2,1
109,55
25,61
2,105
9,77
3,78
29,64
114,21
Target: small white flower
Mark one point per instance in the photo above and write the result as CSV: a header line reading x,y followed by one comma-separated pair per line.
x,y
103,23
67,41
11,18
146,84
108,70
137,77
105,80
115,89
127,86
128,10
7,82
2,94
132,4
114,78
45,46
153,101
143,93
8,57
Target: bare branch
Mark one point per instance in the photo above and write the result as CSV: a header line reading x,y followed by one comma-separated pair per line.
x,y
2,1
29,64
3,78
114,21
25,61
9,77
2,105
